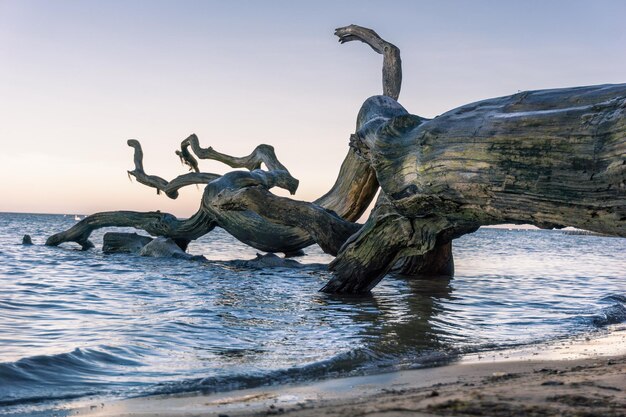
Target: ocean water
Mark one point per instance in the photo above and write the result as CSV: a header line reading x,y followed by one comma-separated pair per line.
x,y
78,325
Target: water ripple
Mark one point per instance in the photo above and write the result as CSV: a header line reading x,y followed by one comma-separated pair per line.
x,y
76,323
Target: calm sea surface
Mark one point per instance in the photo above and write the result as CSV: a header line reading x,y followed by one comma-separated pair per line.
x,y
79,324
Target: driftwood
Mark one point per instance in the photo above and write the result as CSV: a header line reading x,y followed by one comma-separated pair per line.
x,y
551,158
240,202
248,226
392,64
170,188
154,222
324,226
116,242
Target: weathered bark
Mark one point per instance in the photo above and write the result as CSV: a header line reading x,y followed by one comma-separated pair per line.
x,y
169,188
392,64
356,184
354,189
439,260
262,154
325,227
246,225
267,222
551,158
386,238
154,222
116,242
436,262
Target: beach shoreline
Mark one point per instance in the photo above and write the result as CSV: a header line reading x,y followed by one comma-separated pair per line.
x,y
584,375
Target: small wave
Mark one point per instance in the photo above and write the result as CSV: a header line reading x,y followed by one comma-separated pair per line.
x,y
44,398
359,361
615,297
38,378
346,363
612,314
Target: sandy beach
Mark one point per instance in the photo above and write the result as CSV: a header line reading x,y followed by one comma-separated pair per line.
x,y
585,376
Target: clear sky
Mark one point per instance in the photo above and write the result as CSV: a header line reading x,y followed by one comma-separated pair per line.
x,y
79,78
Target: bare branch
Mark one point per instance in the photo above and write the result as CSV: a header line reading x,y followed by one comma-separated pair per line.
x,y
326,228
392,64
169,188
262,154
154,222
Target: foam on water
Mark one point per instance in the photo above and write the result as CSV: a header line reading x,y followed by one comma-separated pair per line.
x,y
75,324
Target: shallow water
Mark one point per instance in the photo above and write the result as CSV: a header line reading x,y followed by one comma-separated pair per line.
x,y
76,324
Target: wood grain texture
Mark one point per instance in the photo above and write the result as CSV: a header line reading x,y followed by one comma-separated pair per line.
x,y
551,158
154,222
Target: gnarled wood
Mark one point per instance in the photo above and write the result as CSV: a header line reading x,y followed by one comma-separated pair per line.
x,y
439,260
436,262
169,188
154,222
551,158
354,189
262,154
356,183
325,227
392,64
266,223
116,242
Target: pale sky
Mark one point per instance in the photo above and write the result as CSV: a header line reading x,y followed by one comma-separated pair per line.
x,y
79,78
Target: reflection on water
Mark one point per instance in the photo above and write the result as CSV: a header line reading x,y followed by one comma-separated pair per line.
x,y
78,323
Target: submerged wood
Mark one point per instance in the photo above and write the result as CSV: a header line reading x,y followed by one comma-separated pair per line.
x,y
164,247
154,222
116,242
325,227
551,158
240,201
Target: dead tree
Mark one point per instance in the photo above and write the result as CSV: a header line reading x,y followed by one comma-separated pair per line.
x,y
240,201
551,158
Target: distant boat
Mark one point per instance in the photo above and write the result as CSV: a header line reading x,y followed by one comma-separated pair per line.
x,y
77,217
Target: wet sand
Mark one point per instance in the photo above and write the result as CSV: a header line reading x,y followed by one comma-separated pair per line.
x,y
575,377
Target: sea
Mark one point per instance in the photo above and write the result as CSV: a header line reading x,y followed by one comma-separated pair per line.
x,y
82,325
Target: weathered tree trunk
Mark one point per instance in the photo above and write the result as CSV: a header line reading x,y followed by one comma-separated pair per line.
x,y
240,203
154,222
551,158
436,262
325,227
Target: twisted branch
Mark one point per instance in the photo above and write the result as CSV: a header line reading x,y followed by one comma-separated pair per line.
x,y
169,188
153,222
262,154
392,64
